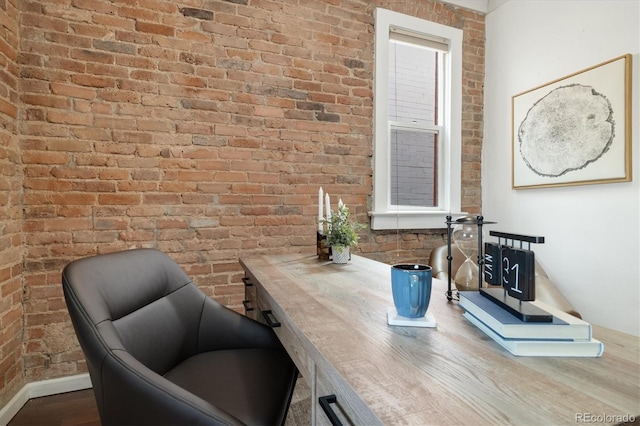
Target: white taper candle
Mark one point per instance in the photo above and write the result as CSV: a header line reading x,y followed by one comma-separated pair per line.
x,y
327,206
320,196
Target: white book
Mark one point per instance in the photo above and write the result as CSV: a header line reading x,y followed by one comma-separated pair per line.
x,y
564,326
542,347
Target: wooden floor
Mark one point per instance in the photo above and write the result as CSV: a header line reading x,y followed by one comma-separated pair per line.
x,y
79,409
70,409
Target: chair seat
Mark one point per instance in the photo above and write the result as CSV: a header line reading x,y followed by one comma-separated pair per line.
x,y
260,377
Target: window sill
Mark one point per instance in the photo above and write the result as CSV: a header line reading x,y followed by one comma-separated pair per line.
x,y
411,220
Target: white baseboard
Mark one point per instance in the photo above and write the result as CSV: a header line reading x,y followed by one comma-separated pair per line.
x,y
42,388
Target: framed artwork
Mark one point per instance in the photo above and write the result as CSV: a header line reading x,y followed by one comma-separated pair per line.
x,y
575,130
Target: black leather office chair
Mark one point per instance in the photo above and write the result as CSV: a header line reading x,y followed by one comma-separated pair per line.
x,y
160,352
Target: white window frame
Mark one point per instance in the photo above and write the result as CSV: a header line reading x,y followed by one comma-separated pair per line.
x,y
384,215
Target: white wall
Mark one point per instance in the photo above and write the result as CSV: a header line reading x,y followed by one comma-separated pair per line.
x,y
592,232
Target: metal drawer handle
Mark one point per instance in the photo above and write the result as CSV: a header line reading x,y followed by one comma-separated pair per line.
x,y
271,320
246,282
325,404
247,305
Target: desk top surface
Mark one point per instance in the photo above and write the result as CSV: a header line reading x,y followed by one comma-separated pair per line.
x,y
452,374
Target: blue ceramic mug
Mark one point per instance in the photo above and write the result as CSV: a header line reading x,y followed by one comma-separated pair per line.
x,y
411,287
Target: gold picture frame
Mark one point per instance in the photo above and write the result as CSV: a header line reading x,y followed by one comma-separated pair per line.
x,y
575,130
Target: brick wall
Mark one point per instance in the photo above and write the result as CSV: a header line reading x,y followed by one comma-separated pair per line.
x,y
202,128
11,304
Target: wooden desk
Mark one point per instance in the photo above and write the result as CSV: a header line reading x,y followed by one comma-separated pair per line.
x,y
334,326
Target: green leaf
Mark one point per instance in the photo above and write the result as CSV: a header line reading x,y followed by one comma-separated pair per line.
x,y
340,231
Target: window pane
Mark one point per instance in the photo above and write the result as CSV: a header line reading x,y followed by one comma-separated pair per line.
x,y
412,83
413,168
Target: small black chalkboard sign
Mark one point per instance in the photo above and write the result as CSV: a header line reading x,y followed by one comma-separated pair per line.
x,y
514,270
518,273
492,261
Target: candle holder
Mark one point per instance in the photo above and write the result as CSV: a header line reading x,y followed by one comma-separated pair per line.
x,y
324,252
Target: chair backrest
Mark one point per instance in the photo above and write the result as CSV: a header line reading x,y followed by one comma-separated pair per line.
x,y
439,264
139,301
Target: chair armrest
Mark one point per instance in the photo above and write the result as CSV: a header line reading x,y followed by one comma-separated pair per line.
x,y
224,328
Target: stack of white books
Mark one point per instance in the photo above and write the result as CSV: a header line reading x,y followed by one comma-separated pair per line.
x,y
565,336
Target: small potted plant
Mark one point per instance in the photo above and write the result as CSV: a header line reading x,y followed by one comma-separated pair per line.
x,y
341,234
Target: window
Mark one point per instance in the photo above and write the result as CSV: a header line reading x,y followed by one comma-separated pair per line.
x,y
417,136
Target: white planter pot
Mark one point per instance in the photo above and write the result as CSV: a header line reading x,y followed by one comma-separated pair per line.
x,y
340,254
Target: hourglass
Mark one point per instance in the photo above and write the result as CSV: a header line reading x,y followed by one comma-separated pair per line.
x,y
468,239
465,236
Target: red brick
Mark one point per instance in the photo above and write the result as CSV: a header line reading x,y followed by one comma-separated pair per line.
x,y
147,27
127,199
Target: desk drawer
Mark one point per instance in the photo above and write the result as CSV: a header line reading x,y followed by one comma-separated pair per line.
x,y
271,315
333,402
341,405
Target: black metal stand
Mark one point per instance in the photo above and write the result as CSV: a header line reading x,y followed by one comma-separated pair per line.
x,y
480,257
449,259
